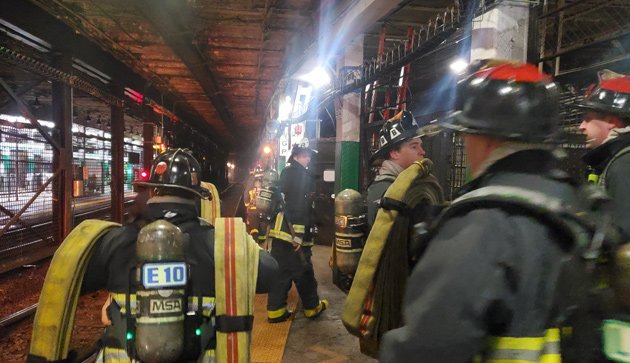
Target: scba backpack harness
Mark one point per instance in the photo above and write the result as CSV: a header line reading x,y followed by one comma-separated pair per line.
x,y
586,243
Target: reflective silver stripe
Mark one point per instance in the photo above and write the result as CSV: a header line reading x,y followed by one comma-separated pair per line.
x,y
520,355
351,235
168,319
354,250
551,348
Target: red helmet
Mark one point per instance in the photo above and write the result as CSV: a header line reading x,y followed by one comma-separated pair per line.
x,y
509,100
611,95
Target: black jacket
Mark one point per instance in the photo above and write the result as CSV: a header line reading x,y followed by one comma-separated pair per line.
x,y
297,185
616,178
488,271
115,253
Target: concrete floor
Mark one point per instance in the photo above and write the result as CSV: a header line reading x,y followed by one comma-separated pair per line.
x,y
324,339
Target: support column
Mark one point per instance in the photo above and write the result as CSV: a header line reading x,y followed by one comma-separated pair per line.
x,y
348,111
118,154
62,157
147,151
501,33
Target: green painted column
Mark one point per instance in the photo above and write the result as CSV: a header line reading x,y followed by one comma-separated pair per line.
x,y
347,165
348,111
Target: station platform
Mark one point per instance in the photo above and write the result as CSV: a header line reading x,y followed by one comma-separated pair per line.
x,y
308,341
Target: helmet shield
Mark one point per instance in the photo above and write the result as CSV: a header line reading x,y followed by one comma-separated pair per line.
x,y
176,169
394,132
512,101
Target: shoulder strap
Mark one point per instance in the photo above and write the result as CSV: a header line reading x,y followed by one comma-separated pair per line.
x,y
620,153
236,269
548,209
385,178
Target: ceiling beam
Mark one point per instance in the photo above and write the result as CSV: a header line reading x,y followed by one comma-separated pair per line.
x,y
170,22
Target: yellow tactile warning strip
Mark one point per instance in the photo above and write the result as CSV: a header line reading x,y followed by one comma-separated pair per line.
x,y
268,340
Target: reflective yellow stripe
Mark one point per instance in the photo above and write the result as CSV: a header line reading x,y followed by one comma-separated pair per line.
x,y
272,314
321,306
208,356
526,349
517,343
254,230
113,355
299,228
280,235
593,178
278,223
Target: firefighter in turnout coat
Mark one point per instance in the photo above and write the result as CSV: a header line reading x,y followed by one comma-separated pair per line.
x,y
292,235
484,288
174,175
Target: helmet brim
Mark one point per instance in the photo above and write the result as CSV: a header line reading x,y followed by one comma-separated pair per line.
x,y
457,122
596,107
300,150
203,193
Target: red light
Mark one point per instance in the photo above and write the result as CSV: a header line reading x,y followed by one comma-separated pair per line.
x,y
144,175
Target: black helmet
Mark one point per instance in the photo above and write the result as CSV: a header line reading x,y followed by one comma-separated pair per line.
x,y
510,100
258,172
302,146
611,95
394,132
176,169
270,178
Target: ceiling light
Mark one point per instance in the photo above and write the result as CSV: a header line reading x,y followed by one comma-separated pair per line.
x,y
458,66
318,77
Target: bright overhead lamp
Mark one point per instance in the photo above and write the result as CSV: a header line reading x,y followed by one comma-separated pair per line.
x,y
318,77
284,109
458,66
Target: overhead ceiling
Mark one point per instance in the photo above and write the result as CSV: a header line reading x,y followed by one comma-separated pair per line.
x,y
219,60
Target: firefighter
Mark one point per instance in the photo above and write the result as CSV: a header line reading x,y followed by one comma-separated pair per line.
x,y
399,146
606,125
175,179
401,201
253,216
292,235
484,288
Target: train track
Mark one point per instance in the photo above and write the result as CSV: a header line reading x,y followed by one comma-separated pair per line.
x,y
17,250
18,316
